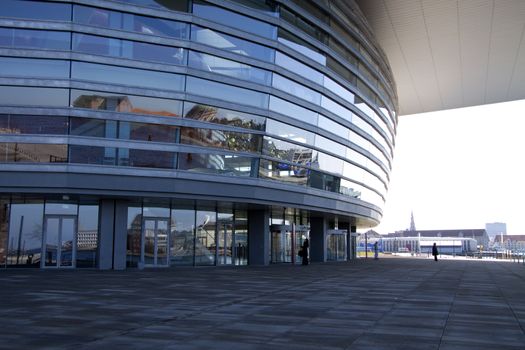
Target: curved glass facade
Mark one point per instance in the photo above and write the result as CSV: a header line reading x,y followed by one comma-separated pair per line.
x,y
261,97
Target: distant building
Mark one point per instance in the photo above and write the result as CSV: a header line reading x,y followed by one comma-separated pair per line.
x,y
511,242
480,235
496,228
423,245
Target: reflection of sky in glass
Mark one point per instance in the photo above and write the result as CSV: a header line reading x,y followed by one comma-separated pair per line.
x,y
233,19
88,218
30,216
28,67
183,219
17,95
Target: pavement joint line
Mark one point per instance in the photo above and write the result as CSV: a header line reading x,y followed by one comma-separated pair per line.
x,y
507,300
460,281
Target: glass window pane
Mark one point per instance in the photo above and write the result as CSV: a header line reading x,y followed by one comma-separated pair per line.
x,y
93,127
37,39
125,21
25,234
323,181
100,45
298,68
226,92
147,132
37,68
146,158
182,236
127,76
296,89
126,103
205,244
288,151
333,127
289,132
336,108
338,90
33,153
301,46
233,141
36,10
292,110
174,5
223,116
92,155
31,124
268,7
272,170
230,68
230,43
134,230
219,164
329,145
232,19
329,163
241,237
32,96
87,236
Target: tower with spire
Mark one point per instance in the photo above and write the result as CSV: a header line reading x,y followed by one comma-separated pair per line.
x,y
412,223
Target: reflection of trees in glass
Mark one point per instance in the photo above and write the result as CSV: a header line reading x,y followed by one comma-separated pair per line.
x,y
223,116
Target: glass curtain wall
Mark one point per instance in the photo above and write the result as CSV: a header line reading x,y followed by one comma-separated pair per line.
x,y
55,234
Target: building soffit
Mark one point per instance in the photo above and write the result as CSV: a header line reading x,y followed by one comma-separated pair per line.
x,y
448,54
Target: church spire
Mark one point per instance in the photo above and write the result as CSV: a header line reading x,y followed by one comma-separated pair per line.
x,y
412,223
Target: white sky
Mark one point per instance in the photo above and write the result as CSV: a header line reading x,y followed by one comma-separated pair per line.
x,y
459,169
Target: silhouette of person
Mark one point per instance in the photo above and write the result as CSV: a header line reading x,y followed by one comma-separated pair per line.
x,y
435,252
376,251
304,248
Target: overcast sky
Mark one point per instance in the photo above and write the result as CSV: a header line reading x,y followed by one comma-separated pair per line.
x,y
459,169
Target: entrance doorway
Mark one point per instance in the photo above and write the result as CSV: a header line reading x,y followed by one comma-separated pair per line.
x,y
59,241
286,241
336,245
281,236
155,242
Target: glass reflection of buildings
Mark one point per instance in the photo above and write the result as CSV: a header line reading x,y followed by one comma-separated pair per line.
x,y
268,111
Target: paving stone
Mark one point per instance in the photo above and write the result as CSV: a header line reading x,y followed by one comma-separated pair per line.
x,y
365,304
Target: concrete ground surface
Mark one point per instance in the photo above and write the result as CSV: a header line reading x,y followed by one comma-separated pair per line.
x,y
394,303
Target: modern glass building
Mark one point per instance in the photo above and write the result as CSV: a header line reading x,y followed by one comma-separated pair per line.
x,y
138,133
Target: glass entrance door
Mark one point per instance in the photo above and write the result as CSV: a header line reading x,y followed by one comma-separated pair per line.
x,y
59,241
155,242
281,244
336,245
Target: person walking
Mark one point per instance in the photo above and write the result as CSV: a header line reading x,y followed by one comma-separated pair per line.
x,y
304,250
435,252
376,251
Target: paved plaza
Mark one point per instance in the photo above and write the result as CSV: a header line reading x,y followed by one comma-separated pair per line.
x,y
390,303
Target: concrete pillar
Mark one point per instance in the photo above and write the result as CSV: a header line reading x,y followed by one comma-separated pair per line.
x,y
106,234
318,228
352,247
258,237
121,235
